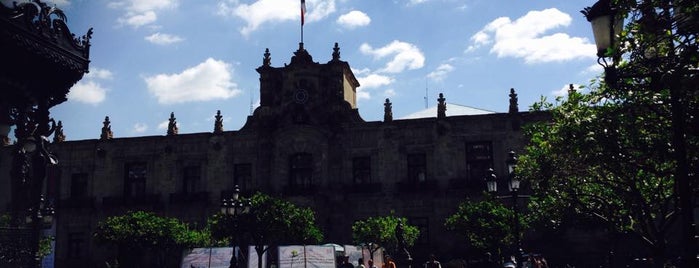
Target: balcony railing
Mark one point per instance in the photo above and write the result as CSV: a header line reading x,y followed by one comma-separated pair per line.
x,y
417,186
189,198
139,200
77,202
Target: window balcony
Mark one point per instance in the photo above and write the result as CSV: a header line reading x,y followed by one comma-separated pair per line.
x,y
77,202
189,198
130,201
417,186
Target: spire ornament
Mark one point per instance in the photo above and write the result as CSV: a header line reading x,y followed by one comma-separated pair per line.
x,y
387,111
58,135
218,125
514,107
106,130
336,52
441,107
267,61
172,126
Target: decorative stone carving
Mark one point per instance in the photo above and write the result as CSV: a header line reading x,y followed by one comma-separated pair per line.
x,y
514,107
218,125
336,52
172,126
58,135
441,107
387,111
266,61
106,130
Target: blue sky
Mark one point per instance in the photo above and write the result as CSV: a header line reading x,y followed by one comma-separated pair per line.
x,y
153,57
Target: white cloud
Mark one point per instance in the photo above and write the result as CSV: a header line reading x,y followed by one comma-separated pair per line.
x,y
527,38
87,91
163,125
140,127
564,90
141,12
270,11
362,94
416,2
354,19
389,92
405,56
209,80
163,39
97,73
594,69
374,81
441,72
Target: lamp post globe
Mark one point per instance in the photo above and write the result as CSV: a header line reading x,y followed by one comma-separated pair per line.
x,y
235,207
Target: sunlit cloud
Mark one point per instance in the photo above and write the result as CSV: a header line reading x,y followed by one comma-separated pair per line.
x,y
403,56
163,39
529,38
209,80
354,19
263,12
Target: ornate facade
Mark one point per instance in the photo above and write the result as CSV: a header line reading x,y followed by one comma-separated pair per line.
x,y
307,143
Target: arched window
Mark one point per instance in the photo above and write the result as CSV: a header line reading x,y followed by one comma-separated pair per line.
x,y
301,171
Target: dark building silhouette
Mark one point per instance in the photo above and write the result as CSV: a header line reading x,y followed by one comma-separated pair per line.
x,y
307,143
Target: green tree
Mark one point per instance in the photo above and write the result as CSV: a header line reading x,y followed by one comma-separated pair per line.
x,y
486,224
610,153
381,232
136,234
272,221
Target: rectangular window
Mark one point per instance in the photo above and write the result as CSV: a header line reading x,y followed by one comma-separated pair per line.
x,y
361,170
135,181
190,179
242,175
301,171
417,168
479,158
76,245
78,185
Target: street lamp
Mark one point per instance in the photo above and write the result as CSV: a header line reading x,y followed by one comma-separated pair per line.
x,y
513,185
606,26
235,207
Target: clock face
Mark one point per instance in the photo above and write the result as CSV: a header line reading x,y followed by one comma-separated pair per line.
x,y
301,96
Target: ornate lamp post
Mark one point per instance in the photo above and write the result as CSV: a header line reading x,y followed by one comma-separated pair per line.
x,y
513,185
606,26
235,207
41,61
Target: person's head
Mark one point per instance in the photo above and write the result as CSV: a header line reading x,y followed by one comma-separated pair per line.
x,y
432,257
388,257
370,261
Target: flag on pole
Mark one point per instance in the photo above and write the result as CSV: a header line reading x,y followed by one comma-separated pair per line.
x,y
303,11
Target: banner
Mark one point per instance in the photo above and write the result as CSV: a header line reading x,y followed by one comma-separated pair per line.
x,y
207,258
306,257
252,257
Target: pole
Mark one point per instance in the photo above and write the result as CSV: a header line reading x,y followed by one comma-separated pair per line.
x,y
518,246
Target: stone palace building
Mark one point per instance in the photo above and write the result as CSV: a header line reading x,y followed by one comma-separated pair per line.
x,y
306,142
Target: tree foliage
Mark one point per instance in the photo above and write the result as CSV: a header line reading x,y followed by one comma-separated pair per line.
x,y
271,221
381,231
140,232
486,224
609,152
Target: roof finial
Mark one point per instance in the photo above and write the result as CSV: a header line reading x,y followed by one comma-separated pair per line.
x,y
514,107
58,135
218,125
387,111
106,130
266,61
172,126
441,107
571,89
336,52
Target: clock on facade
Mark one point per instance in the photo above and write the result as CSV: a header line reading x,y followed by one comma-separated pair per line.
x,y
301,96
